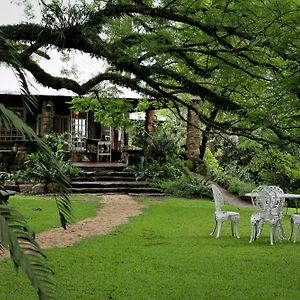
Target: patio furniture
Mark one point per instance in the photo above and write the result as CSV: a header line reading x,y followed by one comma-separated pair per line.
x,y
103,150
295,222
279,192
257,218
269,202
222,215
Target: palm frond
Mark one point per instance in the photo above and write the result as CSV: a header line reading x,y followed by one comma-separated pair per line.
x,y
18,238
10,56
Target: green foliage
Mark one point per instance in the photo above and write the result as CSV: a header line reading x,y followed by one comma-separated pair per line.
x,y
40,167
185,186
156,172
137,134
58,142
227,169
19,176
162,148
239,187
164,166
211,162
107,109
162,159
276,166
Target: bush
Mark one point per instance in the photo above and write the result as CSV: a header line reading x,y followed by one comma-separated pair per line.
x,y
236,186
41,168
185,186
211,162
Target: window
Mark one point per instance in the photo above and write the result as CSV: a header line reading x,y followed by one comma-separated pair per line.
x,y
79,130
7,131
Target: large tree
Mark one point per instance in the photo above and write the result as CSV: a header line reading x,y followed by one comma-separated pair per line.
x,y
242,57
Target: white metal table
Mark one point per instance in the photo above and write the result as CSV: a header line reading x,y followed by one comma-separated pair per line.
x,y
286,196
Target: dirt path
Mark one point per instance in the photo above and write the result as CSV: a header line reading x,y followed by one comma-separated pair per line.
x,y
235,200
116,210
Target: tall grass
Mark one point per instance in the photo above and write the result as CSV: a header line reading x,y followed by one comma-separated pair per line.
x,y
167,253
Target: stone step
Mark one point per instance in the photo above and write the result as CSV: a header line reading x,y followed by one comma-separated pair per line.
x,y
116,190
102,178
100,166
106,173
109,179
92,184
154,195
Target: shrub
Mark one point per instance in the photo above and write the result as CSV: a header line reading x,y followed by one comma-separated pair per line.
x,y
185,186
236,186
41,168
211,162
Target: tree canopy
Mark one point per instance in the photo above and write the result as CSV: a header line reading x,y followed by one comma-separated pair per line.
x,y
239,57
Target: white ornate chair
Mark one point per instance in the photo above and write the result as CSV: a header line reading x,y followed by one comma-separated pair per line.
x,y
295,222
278,191
221,215
271,211
268,207
257,218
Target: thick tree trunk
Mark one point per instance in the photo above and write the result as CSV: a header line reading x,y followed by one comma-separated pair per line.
x,y
205,136
192,140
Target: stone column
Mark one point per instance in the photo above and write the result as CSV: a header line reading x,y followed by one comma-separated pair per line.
x,y
47,117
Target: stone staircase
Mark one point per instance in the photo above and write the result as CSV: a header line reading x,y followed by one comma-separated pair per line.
x,y
110,180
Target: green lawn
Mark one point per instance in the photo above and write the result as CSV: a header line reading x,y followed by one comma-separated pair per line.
x,y
41,211
167,253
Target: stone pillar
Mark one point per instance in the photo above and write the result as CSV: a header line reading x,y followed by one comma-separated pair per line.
x,y
47,117
150,122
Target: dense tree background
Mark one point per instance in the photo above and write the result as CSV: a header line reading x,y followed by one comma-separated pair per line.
x,y
224,67
240,58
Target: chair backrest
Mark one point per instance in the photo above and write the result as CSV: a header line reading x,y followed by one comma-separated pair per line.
x,y
277,202
259,198
267,200
218,197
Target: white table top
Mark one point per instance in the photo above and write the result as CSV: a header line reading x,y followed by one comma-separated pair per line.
x,y
280,195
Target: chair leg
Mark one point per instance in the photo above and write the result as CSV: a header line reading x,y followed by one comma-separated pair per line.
x,y
291,230
281,231
215,226
272,234
219,229
296,233
232,228
260,226
237,230
253,232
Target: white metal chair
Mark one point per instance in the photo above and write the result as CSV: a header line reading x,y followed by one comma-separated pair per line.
x,y
268,207
257,218
278,191
221,215
271,212
295,222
